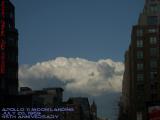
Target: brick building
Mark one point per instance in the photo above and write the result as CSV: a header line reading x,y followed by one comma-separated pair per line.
x,y
141,80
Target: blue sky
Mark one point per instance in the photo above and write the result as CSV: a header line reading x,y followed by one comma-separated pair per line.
x,y
61,31
91,29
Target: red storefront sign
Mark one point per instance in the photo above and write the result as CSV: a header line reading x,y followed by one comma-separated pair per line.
x,y
2,39
154,113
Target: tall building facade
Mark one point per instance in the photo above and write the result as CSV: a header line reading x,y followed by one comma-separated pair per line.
x,y
141,80
8,49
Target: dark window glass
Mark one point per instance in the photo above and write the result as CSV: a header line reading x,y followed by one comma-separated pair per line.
x,y
153,40
140,87
154,96
153,52
153,64
152,20
139,43
152,30
140,77
154,8
139,55
140,66
139,32
153,75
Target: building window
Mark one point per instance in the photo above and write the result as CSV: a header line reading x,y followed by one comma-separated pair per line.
x,y
2,83
11,40
11,15
154,8
140,66
153,52
139,43
11,73
153,40
140,87
152,30
139,55
153,87
153,64
140,77
12,57
139,116
152,20
154,96
139,32
153,75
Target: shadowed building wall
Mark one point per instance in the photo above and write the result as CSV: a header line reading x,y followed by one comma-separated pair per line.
x,y
8,49
141,80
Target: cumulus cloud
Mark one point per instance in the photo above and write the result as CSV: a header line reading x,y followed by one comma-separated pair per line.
x,y
75,74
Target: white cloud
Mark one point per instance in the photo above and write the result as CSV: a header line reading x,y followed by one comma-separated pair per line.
x,y
77,75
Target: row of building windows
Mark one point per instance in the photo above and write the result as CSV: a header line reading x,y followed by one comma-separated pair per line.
x,y
153,53
153,65
152,20
140,90
150,30
152,41
153,76
154,8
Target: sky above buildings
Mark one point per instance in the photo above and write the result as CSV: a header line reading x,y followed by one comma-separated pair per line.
x,y
76,40
91,29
